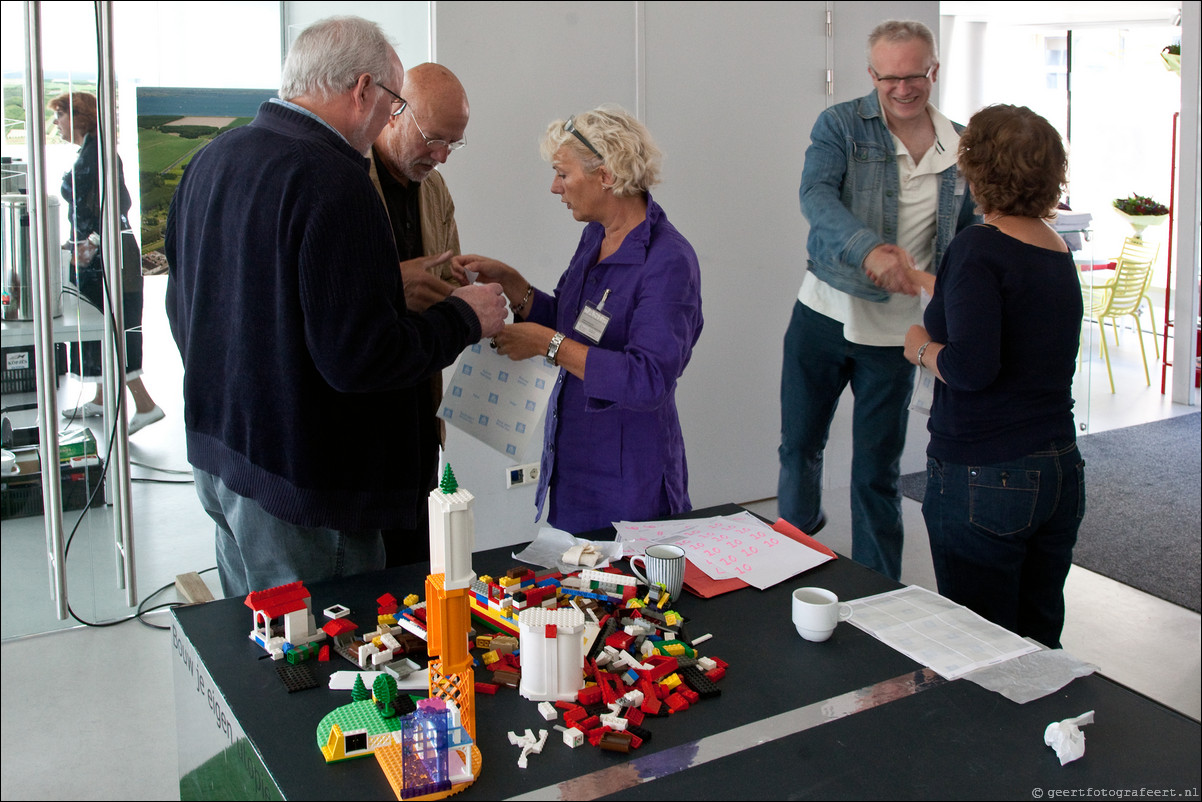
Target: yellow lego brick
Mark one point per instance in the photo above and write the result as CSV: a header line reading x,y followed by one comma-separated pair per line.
x,y
670,681
490,657
386,620
483,641
411,600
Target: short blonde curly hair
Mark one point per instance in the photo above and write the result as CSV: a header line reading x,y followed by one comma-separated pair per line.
x,y
624,143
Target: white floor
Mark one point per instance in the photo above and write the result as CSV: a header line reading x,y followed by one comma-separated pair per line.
x,y
89,713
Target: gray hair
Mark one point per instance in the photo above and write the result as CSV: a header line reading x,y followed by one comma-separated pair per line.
x,y
626,147
902,30
328,57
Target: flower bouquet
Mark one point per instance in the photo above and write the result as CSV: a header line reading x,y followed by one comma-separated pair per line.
x,y
1141,212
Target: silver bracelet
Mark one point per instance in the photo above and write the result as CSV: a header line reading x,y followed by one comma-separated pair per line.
x,y
922,349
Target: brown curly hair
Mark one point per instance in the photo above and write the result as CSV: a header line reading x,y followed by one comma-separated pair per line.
x,y
82,108
1014,161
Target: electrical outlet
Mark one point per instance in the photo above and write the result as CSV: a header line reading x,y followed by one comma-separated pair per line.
x,y
520,475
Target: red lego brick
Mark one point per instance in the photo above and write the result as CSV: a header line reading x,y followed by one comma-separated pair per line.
x,y
661,666
590,695
620,640
486,687
676,703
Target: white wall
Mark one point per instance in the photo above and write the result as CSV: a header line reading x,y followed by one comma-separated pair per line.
x,y
730,91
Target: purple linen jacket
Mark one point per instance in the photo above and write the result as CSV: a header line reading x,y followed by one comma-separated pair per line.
x,y
613,447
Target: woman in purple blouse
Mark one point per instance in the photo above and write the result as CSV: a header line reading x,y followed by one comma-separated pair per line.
x,y
621,324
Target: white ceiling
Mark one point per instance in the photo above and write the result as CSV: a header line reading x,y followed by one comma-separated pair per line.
x,y
1160,12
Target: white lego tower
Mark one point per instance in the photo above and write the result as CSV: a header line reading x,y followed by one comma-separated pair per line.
x,y
452,533
552,643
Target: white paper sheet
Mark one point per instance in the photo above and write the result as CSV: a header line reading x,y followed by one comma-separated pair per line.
x,y
936,631
738,546
496,400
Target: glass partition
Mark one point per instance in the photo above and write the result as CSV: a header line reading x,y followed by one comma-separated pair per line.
x,y
173,534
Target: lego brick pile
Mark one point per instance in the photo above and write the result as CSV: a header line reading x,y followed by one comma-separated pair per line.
x,y
639,663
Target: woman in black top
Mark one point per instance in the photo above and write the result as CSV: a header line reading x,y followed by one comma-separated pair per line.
x,y
1005,481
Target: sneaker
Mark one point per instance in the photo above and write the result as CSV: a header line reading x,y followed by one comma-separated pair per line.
x,y
141,420
88,410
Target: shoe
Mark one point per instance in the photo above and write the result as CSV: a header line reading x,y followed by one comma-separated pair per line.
x,y
816,528
141,420
88,410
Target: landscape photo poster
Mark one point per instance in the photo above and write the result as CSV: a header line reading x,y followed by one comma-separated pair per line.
x,y
174,124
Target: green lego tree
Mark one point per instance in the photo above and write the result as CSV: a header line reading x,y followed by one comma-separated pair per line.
x,y
448,483
384,690
359,692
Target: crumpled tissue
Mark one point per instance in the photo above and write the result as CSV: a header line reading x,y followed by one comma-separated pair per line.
x,y
549,547
1066,737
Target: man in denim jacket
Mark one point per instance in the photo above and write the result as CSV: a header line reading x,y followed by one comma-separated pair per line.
x,y
883,197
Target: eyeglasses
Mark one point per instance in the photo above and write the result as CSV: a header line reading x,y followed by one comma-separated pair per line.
x,y
571,129
399,99
432,144
894,81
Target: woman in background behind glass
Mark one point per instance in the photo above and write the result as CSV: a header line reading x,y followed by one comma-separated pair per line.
x,y
75,116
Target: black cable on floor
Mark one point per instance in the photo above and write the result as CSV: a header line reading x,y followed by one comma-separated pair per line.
x,y
141,610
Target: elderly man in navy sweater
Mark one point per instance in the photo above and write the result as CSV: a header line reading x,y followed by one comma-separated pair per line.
x,y
303,367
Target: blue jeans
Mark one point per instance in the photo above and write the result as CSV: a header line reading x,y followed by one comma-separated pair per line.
x,y
256,551
819,363
1002,536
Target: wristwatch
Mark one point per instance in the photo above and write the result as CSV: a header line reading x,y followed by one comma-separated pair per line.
x,y
553,348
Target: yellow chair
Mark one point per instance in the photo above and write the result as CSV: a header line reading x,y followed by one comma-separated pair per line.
x,y
1124,294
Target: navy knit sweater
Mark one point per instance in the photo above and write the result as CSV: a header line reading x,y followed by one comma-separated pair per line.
x,y
1010,316
302,365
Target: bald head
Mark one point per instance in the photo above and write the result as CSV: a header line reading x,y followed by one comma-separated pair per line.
x,y
437,113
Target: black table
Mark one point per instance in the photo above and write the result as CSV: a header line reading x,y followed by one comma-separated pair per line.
x,y
846,719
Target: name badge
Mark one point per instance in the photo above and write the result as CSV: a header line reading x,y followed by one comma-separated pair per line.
x,y
593,320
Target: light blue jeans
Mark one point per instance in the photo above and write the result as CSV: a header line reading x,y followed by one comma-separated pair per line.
x,y
256,551
819,363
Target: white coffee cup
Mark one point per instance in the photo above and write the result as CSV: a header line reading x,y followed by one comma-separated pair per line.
x,y
816,612
664,565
